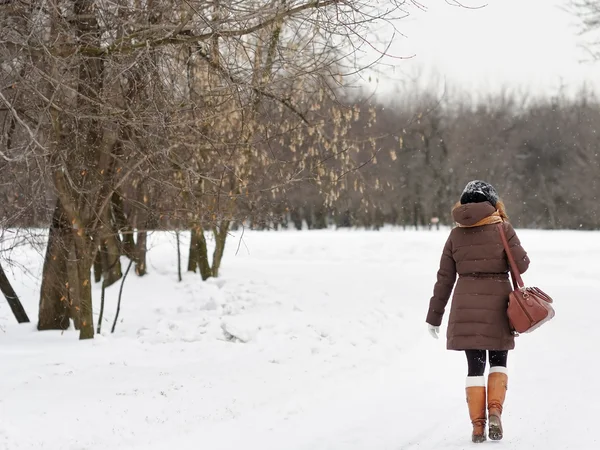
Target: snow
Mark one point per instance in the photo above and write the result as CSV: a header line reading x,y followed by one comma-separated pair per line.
x,y
309,340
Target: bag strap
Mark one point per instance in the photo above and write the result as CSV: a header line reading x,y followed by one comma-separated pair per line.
x,y
514,270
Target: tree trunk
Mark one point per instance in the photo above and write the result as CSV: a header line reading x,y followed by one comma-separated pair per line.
x,y
98,267
142,222
193,253
73,287
107,263
12,298
202,251
54,307
220,239
297,219
83,252
110,256
309,218
140,253
110,248
320,222
123,226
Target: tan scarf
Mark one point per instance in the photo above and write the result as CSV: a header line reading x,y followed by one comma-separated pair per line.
x,y
496,217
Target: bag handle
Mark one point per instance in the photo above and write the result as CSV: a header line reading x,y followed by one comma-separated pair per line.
x,y
514,270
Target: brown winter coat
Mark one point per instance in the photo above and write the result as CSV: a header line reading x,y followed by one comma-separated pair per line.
x,y
478,318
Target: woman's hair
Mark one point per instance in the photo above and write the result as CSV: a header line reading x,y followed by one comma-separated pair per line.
x,y
500,208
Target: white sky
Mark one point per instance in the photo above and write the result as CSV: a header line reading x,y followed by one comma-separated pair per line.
x,y
529,45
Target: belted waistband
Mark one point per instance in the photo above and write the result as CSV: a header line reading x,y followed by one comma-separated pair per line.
x,y
501,276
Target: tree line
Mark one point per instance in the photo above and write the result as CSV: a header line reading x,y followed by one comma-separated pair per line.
x,y
409,162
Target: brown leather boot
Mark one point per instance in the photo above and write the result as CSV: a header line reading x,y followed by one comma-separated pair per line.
x,y
476,402
497,386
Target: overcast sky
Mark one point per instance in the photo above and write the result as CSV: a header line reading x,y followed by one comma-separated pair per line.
x,y
528,44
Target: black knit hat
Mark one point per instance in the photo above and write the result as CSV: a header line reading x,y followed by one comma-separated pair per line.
x,y
478,191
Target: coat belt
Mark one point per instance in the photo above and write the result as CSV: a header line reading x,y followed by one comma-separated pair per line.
x,y
484,275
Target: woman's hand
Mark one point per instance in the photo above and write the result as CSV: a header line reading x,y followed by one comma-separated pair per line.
x,y
434,331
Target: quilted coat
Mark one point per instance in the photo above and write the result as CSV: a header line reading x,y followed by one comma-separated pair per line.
x,y
475,254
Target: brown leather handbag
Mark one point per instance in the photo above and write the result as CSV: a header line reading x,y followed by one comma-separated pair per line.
x,y
528,307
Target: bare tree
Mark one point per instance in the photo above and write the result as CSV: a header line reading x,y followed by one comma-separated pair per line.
x,y
139,115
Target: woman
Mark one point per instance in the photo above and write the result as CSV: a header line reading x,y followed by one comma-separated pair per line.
x,y
478,320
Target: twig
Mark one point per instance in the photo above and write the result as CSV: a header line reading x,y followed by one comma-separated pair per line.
x,y
101,315
178,255
120,293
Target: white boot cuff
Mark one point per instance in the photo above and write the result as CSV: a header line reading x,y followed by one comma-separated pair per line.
x,y
475,381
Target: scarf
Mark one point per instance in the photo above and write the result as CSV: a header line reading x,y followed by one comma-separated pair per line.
x,y
496,217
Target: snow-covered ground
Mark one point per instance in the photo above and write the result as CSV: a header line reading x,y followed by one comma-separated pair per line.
x,y
310,340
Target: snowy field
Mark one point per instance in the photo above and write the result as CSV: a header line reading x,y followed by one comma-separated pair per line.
x,y
309,341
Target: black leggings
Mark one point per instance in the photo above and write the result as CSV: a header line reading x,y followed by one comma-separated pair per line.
x,y
476,360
